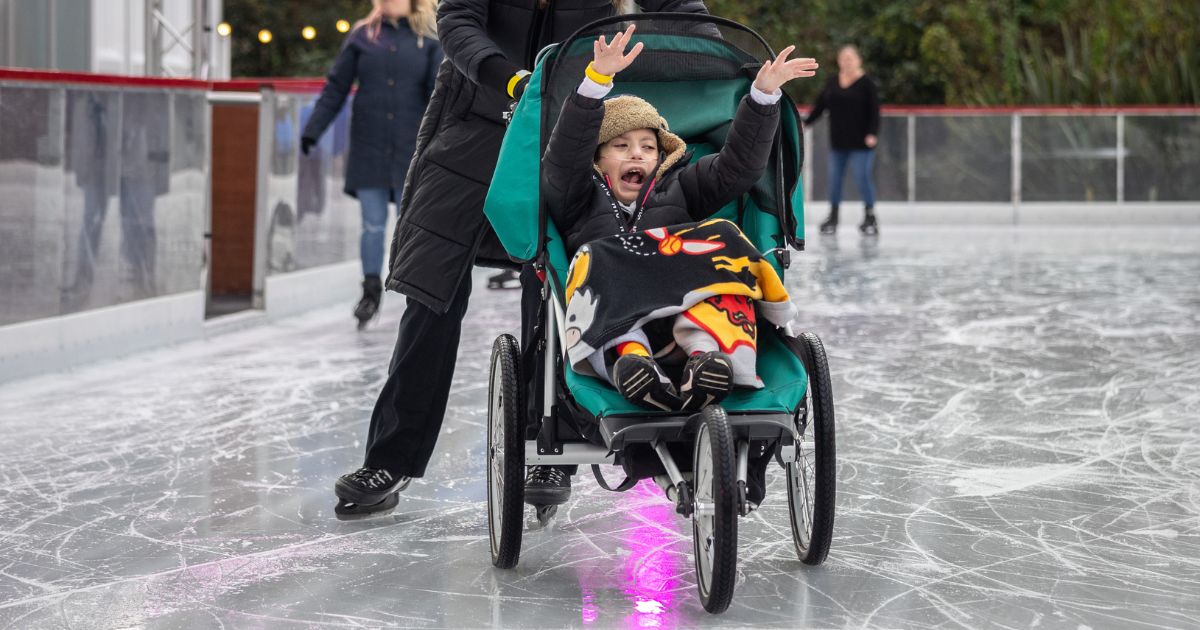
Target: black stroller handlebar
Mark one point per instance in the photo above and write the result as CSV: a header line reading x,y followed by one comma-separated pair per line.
x,y
699,18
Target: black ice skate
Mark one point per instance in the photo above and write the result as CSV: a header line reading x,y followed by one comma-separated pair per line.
x,y
707,379
547,485
831,222
641,381
507,279
367,491
368,306
869,226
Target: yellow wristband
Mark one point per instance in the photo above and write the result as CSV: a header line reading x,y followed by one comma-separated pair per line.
x,y
516,78
602,79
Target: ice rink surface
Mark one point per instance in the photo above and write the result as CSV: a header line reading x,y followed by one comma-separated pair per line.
x,y
1018,440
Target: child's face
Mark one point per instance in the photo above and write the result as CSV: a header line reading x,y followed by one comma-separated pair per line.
x,y
629,160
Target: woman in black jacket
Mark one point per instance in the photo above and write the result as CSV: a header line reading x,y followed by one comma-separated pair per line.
x,y
394,57
853,104
442,232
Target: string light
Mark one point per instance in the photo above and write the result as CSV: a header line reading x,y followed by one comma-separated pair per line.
x,y
343,26
265,36
224,29
308,32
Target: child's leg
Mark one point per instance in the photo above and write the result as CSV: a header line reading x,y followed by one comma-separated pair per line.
x,y
627,364
602,360
724,323
719,336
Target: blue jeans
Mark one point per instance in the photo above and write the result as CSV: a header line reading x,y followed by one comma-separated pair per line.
x,y
374,221
863,163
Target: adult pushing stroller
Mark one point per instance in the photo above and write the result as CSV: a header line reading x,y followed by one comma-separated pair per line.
x,y
694,70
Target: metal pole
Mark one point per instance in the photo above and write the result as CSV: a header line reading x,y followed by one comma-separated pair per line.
x,y
198,47
152,68
6,56
912,158
1016,168
262,213
1121,158
549,393
52,35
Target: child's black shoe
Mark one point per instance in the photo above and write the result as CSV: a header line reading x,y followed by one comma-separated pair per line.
x,y
641,381
707,379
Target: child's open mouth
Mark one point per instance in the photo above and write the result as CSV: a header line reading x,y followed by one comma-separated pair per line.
x,y
635,176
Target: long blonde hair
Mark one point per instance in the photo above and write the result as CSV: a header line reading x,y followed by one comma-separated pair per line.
x,y
422,18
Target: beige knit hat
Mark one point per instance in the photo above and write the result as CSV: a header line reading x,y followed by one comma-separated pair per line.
x,y
626,113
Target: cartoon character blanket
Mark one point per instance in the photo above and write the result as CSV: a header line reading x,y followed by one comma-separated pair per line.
x,y
621,283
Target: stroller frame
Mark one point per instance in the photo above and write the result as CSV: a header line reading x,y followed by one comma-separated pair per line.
x,y
533,419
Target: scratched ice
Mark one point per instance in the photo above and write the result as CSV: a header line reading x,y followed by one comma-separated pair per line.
x,y
1019,446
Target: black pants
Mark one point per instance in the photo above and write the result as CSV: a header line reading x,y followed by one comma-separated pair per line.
x,y
408,414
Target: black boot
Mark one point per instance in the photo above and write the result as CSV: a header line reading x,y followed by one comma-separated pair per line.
x,y
707,379
641,381
869,226
831,223
506,279
367,491
368,306
547,485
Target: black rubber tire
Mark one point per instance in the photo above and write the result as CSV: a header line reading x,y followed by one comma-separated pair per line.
x,y
718,594
820,401
506,507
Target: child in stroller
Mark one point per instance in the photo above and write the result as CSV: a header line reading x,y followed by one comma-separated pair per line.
x,y
613,169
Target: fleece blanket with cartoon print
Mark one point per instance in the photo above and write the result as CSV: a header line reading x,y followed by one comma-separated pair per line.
x,y
621,283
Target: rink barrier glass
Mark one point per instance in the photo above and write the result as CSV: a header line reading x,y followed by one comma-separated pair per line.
x,y
103,194
1024,154
104,188
310,221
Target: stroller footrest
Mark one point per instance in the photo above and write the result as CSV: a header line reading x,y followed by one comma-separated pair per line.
x,y
618,431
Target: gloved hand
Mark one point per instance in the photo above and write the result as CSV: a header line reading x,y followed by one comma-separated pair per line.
x,y
306,144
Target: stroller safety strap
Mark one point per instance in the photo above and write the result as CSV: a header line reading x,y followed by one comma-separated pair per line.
x,y
621,487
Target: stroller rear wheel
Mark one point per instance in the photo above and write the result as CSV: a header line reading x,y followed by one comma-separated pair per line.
x,y
811,474
714,515
506,455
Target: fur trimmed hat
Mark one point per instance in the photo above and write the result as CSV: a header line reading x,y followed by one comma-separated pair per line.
x,y
625,113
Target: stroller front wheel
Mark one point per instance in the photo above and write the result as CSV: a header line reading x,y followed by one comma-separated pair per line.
x,y
506,455
714,517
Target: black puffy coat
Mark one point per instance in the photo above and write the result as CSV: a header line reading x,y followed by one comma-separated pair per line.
x,y
395,75
681,193
442,229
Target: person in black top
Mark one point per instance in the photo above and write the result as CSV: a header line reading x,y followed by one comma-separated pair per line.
x,y
853,104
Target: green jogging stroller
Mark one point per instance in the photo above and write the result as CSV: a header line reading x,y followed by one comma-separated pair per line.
x,y
694,70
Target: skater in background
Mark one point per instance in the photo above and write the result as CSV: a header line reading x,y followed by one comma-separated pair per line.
x,y
394,55
853,103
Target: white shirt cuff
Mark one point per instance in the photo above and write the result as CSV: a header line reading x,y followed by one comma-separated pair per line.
x,y
591,89
762,98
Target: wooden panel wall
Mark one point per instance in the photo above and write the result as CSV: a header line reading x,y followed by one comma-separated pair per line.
x,y
234,177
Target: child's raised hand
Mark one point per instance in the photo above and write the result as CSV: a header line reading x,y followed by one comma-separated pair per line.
x,y
611,58
775,73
